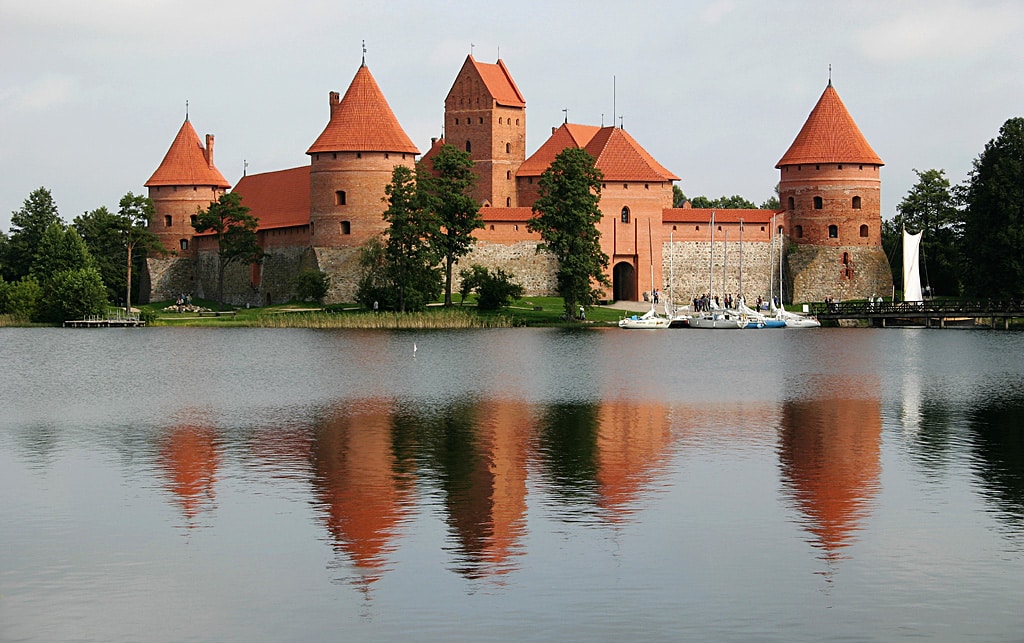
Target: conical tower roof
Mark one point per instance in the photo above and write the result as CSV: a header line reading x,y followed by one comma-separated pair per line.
x,y
187,162
829,136
362,121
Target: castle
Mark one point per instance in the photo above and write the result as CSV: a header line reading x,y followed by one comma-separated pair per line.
x,y
318,216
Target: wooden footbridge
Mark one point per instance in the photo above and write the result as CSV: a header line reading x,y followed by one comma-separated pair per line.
x,y
930,314
130,321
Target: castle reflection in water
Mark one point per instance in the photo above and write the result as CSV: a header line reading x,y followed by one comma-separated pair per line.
x,y
366,463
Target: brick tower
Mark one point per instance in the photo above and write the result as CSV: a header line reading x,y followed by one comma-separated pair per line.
x,y
485,115
831,190
350,165
185,183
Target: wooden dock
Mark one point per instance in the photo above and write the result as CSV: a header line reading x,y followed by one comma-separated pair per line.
x,y
105,322
930,314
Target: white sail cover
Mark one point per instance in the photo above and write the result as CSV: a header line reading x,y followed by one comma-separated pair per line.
x,y
911,269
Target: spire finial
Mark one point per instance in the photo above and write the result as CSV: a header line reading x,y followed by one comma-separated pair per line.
x,y
245,167
566,112
830,74
364,53
186,109
471,45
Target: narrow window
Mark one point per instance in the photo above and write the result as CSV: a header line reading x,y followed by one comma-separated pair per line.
x,y
674,228
192,219
339,197
508,148
456,121
840,167
833,232
856,203
515,227
780,230
517,121
492,226
792,203
508,202
167,220
508,175
817,167
846,258
346,227
469,146
359,155
817,203
799,232
864,231
499,120
334,156
697,228
481,120
625,214
184,244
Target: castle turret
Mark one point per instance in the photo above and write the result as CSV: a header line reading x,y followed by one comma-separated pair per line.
x,y
350,166
831,190
485,115
186,182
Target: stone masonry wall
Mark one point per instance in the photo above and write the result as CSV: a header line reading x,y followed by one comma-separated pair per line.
x,y
168,277
814,272
688,262
535,271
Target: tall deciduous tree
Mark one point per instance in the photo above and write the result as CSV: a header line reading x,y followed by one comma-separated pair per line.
x,y
993,217
71,287
134,214
446,193
566,216
236,235
399,269
28,224
99,230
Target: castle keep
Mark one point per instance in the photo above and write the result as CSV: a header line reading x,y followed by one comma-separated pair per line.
x,y
318,216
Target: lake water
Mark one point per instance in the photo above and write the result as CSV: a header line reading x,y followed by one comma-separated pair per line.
x,y
526,484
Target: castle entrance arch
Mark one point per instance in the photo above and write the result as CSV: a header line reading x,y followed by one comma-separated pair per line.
x,y
624,281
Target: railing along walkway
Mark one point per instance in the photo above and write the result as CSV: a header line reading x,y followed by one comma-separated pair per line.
x,y
928,313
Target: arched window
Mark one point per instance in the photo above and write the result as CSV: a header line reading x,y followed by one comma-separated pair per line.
x,y
508,175
508,202
339,197
184,244
792,203
846,258
817,203
469,146
780,230
625,214
833,231
864,231
508,148
799,232
856,203
346,227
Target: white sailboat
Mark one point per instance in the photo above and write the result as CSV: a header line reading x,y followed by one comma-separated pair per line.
x,y
650,320
911,267
719,318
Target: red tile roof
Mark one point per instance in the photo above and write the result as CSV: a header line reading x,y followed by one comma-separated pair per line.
x,y
362,121
829,136
618,155
187,162
278,199
701,215
499,83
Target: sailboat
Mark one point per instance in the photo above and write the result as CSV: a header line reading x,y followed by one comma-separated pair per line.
x,y
650,320
911,267
791,319
718,318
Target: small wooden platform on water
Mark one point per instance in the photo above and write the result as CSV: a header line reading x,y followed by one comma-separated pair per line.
x,y
105,322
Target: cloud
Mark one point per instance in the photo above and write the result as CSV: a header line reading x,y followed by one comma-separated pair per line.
x,y
941,30
40,95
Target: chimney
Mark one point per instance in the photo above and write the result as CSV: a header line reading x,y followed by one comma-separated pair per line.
x,y
334,100
208,152
433,141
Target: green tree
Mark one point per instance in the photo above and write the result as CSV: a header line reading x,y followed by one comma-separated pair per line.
x,y
236,235
930,207
678,198
312,285
28,224
566,216
493,289
98,229
993,217
73,294
734,202
408,256
60,249
134,213
446,194
21,299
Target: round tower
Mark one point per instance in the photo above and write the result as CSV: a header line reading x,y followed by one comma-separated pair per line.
x,y
350,166
830,188
185,183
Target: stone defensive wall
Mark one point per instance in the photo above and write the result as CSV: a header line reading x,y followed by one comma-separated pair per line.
x,y
846,272
534,270
687,267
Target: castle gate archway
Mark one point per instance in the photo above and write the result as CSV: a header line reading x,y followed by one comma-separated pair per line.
x,y
624,282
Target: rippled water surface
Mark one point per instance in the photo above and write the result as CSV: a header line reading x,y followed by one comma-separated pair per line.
x,y
527,484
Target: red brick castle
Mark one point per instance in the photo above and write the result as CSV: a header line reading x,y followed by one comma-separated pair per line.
x,y
319,215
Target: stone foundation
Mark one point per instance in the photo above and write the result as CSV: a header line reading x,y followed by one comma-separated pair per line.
x,y
814,272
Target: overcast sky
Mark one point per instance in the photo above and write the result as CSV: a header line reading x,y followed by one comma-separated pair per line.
x,y
92,93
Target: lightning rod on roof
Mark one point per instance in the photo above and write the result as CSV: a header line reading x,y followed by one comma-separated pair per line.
x,y
613,100
471,45
245,167
566,112
364,53
830,74
186,109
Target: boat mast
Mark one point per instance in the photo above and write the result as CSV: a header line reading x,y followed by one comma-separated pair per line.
x,y
740,293
771,265
711,261
725,258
